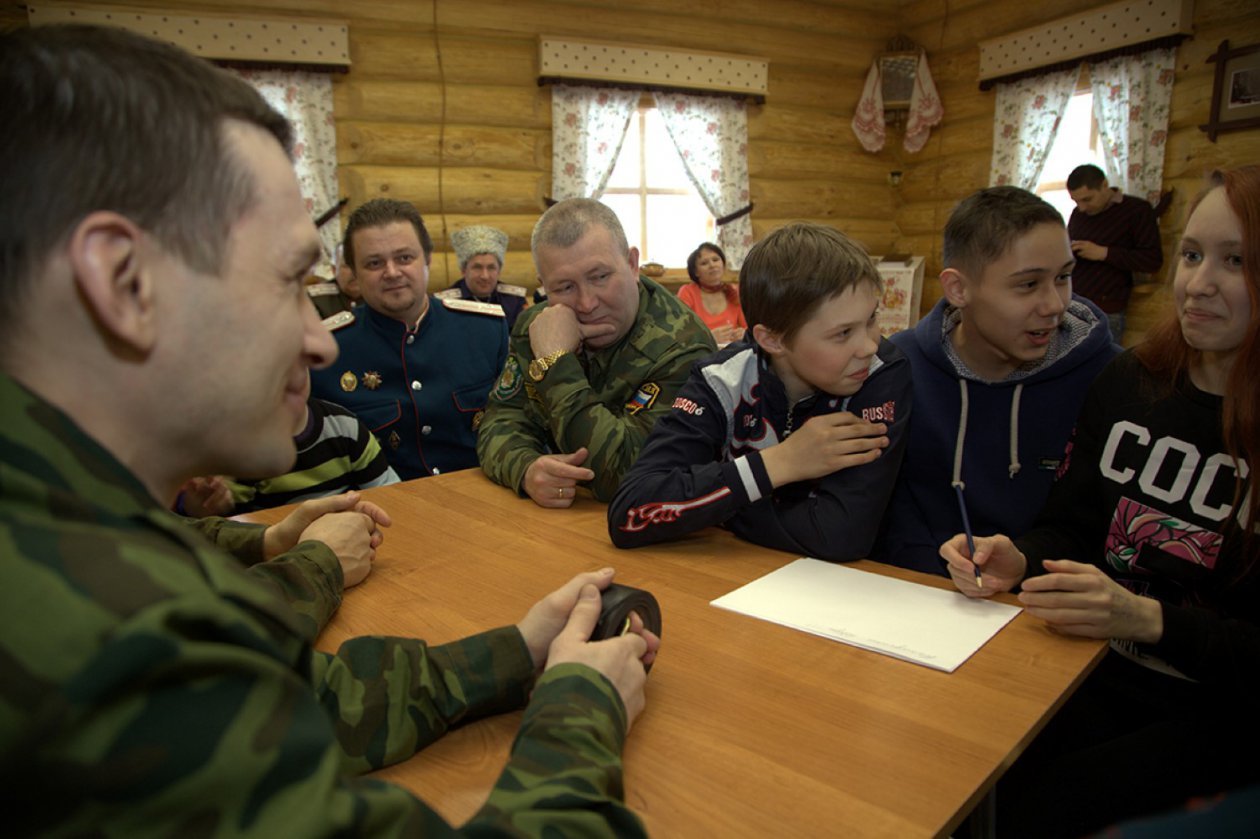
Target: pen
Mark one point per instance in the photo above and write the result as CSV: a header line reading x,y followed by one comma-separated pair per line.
x,y
971,542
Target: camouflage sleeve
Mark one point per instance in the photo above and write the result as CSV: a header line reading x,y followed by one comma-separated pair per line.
x,y
308,576
390,697
614,436
564,775
509,440
190,721
393,696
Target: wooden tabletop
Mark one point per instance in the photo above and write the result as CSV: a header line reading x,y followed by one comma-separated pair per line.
x,y
750,728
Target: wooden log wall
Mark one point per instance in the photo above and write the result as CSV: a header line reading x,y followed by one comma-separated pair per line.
x,y
441,107
956,158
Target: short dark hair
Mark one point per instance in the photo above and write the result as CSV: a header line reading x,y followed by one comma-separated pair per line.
x,y
382,211
99,118
695,257
790,273
985,223
1087,175
567,221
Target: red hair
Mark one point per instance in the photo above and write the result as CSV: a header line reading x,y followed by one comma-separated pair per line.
x,y
1165,351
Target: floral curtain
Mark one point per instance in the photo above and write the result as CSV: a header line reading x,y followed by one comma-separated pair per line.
x,y
588,126
1026,119
305,99
711,135
1132,96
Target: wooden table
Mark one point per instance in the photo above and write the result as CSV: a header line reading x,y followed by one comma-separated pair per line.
x,y
751,729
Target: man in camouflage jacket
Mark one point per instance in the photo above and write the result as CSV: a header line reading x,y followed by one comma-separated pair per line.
x,y
589,373
151,683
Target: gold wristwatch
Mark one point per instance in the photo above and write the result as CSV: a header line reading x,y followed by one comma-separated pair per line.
x,y
539,366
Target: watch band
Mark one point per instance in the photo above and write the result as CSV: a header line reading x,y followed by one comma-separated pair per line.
x,y
539,366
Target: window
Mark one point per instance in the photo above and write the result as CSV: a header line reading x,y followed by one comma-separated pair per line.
x,y
649,191
1076,143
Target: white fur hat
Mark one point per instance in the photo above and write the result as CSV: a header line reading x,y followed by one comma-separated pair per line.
x,y
478,238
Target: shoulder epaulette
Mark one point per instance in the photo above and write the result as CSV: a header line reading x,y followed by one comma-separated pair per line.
x,y
474,306
451,293
337,321
508,288
321,289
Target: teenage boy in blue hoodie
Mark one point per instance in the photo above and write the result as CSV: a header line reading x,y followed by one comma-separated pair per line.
x,y
791,437
1001,365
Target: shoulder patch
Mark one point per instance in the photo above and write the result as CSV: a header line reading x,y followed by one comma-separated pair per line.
x,y
337,321
506,288
644,398
474,306
451,293
509,380
322,289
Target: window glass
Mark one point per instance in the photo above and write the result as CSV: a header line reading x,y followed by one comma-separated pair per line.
x,y
662,212
1075,144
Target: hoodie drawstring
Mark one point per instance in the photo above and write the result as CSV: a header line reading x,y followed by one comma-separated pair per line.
x,y
958,441
1014,466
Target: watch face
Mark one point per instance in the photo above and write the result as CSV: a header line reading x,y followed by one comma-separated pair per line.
x,y
536,370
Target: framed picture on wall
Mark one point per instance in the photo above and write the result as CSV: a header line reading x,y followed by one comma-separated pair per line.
x,y
1236,90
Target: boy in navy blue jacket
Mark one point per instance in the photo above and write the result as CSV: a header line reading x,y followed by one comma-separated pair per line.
x,y
791,437
1001,366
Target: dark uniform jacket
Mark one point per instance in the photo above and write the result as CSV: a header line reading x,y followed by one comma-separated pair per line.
x,y
422,392
510,297
329,299
152,684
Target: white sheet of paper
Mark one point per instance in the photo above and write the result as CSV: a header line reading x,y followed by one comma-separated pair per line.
x,y
905,620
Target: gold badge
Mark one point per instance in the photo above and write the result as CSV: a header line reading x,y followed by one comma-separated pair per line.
x,y
477,418
371,380
394,440
349,381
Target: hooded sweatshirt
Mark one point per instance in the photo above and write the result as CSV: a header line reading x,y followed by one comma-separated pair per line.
x,y
994,446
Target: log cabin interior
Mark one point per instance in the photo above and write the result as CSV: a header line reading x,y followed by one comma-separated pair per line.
x,y
441,106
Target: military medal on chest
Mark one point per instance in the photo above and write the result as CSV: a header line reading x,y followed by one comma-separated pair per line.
x,y
349,382
371,380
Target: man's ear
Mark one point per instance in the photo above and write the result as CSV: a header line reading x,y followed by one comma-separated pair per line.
x,y
111,267
768,340
632,256
954,287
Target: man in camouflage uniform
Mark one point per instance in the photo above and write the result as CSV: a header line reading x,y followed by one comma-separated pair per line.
x,y
151,683
589,373
480,250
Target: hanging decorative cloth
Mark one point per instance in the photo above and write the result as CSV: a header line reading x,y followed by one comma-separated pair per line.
x,y
925,108
868,121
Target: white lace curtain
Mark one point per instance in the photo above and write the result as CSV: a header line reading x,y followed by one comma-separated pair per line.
x,y
305,99
588,126
711,134
1026,118
1132,98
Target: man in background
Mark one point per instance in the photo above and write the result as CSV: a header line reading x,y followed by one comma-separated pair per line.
x,y
480,250
1113,235
339,295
